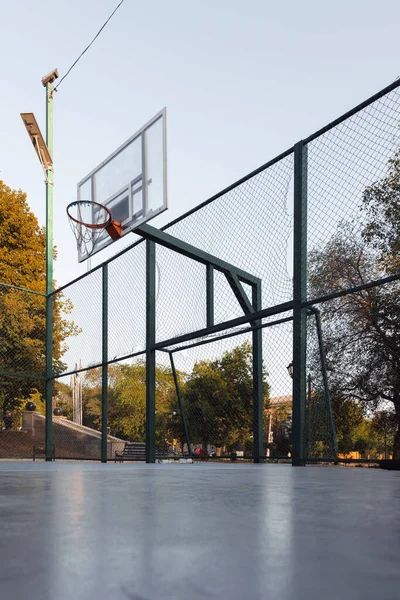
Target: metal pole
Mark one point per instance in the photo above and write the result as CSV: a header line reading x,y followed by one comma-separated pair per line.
x,y
327,393
309,381
104,368
178,394
150,352
258,381
210,295
299,296
49,277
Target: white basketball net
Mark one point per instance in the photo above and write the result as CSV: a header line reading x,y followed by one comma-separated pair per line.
x,y
86,238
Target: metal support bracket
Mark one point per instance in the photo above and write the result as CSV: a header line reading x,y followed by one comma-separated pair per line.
x,y
239,292
181,247
315,311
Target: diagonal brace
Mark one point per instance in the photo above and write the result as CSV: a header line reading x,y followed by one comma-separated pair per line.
x,y
239,292
181,247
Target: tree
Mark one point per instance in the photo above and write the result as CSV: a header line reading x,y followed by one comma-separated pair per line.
x,y
384,426
128,414
22,314
347,416
205,399
381,201
63,394
362,330
169,425
127,402
218,399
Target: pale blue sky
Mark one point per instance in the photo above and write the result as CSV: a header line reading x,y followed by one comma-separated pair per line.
x,y
242,81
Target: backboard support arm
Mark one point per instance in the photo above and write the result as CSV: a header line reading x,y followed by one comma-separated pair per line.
x,y
233,274
235,278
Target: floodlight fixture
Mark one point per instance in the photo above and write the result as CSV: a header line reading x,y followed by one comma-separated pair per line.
x,y
290,369
37,140
50,77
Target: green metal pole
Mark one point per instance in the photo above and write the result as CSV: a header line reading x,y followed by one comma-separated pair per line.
x,y
178,394
150,352
299,297
258,382
104,368
49,277
309,414
210,295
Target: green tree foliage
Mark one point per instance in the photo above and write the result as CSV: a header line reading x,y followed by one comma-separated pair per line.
x,y
128,414
382,204
218,399
22,315
63,395
384,427
127,402
362,330
347,415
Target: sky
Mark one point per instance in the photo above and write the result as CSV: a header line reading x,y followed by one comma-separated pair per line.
x,y
242,82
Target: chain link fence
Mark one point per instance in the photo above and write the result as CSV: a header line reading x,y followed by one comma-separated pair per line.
x,y
348,395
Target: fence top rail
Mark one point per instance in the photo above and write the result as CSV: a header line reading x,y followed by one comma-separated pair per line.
x,y
395,84
98,365
353,111
22,289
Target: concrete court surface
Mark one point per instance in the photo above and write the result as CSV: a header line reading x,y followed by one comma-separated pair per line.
x,y
174,532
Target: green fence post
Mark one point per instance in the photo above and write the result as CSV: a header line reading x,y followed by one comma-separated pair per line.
x,y
104,368
258,380
299,297
210,295
49,277
150,352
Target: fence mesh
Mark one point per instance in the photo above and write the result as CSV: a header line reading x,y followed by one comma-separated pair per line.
x,y
353,239
320,432
22,327
343,164
127,410
277,355
215,382
361,338
352,403
81,304
127,303
250,227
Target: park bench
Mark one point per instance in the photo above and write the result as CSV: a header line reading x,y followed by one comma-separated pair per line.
x,y
39,450
137,451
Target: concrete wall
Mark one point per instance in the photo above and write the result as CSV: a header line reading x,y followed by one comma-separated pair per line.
x,y
70,438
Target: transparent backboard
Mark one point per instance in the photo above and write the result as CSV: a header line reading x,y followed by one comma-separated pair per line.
x,y
131,182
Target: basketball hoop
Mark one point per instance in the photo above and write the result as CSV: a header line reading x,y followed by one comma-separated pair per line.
x,y
88,220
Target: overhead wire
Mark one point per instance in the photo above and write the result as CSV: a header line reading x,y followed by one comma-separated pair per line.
x,y
87,47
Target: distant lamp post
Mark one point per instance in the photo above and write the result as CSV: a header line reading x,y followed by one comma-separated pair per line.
x,y
290,369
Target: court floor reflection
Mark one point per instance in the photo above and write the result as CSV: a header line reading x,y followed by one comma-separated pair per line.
x,y
77,531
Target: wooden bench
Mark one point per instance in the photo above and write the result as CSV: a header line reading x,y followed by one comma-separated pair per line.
x,y
137,451
40,450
